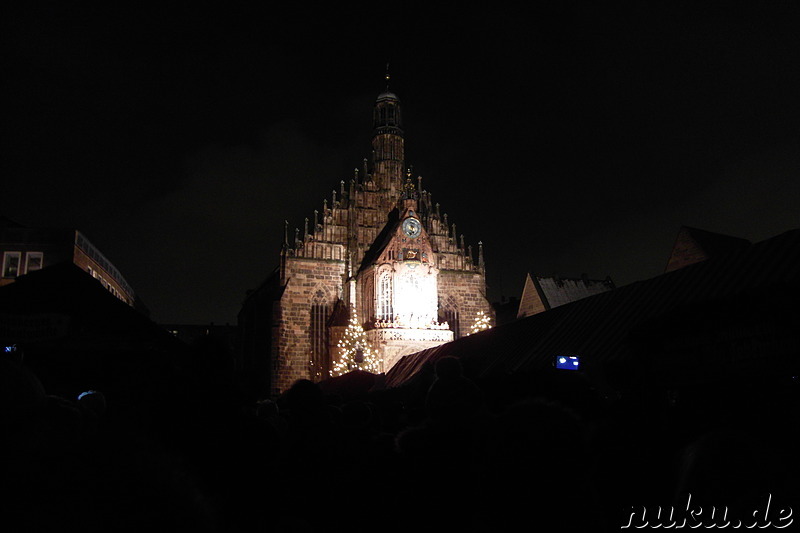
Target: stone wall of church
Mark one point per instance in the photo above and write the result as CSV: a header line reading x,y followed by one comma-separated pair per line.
x,y
307,281
468,290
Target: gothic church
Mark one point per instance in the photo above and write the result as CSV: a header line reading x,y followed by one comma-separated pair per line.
x,y
380,250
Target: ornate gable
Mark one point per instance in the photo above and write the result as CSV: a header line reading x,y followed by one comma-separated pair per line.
x,y
408,242
398,279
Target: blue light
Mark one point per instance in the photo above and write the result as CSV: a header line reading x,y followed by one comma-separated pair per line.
x,y
567,362
81,395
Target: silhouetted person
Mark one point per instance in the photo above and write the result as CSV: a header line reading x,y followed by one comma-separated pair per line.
x,y
311,447
452,396
533,469
304,402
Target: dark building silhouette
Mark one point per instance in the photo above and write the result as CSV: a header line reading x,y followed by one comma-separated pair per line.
x,y
224,335
71,329
25,249
506,310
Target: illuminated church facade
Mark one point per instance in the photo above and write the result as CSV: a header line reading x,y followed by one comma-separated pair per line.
x,y
379,249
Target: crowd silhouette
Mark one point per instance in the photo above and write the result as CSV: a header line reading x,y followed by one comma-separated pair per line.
x,y
201,454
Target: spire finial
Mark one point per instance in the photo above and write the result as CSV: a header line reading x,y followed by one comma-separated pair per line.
x,y
387,77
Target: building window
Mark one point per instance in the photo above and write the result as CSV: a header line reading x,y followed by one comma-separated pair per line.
x,y
319,336
385,311
33,261
450,315
11,262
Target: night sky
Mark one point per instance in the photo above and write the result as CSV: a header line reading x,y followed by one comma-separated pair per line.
x,y
571,139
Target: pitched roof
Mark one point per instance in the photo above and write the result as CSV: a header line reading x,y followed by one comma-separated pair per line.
x,y
542,293
270,289
340,316
715,243
560,291
694,244
598,328
382,240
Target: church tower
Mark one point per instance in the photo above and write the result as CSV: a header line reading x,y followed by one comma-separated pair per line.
x,y
388,148
380,249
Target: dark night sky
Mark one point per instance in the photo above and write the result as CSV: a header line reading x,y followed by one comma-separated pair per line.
x,y
571,139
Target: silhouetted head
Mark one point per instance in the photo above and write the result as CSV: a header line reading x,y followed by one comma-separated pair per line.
x,y
93,401
448,367
305,395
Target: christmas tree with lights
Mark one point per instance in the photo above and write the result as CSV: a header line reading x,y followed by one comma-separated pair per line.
x,y
482,322
355,352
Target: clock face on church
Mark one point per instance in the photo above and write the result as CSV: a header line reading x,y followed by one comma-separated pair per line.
x,y
412,228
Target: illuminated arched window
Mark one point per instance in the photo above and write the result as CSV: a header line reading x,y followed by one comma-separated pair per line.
x,y
319,361
384,297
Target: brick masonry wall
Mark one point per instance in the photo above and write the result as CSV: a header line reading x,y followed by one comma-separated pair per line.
x,y
469,290
304,277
